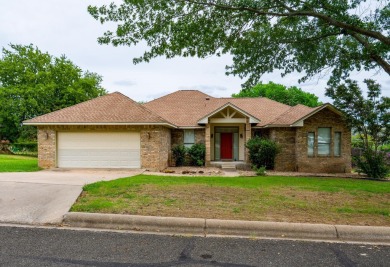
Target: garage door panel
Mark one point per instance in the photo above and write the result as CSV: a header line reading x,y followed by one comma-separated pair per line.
x,y
99,150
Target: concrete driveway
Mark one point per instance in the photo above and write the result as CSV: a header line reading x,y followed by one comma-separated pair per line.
x,y
44,197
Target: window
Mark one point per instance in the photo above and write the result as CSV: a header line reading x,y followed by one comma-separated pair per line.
x,y
324,138
310,144
256,133
337,144
322,144
189,138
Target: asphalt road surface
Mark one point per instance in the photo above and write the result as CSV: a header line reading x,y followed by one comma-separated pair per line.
x,y
61,247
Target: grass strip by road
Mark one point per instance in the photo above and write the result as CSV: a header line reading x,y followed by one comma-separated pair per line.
x,y
270,198
14,163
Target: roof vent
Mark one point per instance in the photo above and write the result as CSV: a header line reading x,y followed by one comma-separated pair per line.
x,y
207,98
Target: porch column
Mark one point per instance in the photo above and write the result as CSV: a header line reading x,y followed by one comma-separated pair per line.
x,y
248,135
208,145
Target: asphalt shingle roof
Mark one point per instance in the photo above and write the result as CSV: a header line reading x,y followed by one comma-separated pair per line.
x,y
110,108
182,109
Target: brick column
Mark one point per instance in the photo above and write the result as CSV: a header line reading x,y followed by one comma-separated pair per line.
x,y
248,135
208,145
47,140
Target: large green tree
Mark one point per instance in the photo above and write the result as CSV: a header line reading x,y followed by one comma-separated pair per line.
x,y
33,83
369,117
287,95
308,36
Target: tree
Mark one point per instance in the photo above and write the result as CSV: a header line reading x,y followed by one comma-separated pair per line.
x,y
33,83
290,96
369,118
310,36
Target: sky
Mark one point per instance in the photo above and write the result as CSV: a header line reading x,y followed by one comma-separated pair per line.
x,y
66,28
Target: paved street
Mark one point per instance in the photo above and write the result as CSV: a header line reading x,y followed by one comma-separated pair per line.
x,y
63,247
44,197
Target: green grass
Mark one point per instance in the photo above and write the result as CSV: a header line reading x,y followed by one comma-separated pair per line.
x,y
306,183
14,163
293,199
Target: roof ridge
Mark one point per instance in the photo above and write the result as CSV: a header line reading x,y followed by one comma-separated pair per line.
x,y
281,115
247,97
142,107
181,90
311,110
158,116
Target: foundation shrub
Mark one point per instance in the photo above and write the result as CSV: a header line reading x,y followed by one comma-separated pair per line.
x,y
262,152
197,154
179,154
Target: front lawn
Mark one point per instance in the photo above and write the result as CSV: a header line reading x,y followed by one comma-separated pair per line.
x,y
288,199
14,163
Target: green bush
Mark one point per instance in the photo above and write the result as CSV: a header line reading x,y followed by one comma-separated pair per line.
x,y
386,147
179,154
262,152
197,154
24,147
260,171
373,164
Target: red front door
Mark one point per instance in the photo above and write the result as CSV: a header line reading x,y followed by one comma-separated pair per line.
x,y
226,145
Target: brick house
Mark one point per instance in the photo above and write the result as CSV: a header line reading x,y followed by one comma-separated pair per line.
x,y
113,131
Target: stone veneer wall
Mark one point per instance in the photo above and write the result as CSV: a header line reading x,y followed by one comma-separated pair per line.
x,y
47,144
200,136
285,161
316,163
155,147
177,138
155,143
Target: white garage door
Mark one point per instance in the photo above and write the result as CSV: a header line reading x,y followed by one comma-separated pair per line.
x,y
98,150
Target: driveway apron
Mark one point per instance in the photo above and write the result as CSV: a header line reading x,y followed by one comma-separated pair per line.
x,y
44,197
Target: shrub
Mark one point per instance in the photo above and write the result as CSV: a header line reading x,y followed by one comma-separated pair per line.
x,y
24,147
373,164
386,147
179,154
262,152
197,154
260,171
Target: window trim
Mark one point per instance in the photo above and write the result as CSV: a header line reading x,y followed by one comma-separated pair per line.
x,y
331,143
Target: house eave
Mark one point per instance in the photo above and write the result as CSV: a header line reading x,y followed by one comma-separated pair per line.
x,y
190,127
100,123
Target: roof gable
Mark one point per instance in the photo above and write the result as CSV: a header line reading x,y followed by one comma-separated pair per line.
x,y
114,108
252,119
314,111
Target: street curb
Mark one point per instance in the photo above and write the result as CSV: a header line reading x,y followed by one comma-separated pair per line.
x,y
270,229
136,223
214,227
358,233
